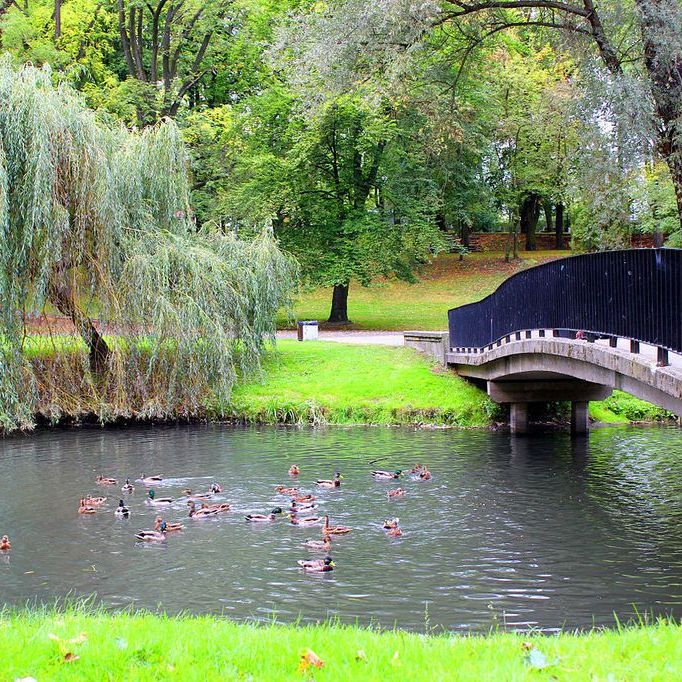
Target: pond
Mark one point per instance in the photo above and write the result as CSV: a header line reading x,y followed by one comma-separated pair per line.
x,y
538,532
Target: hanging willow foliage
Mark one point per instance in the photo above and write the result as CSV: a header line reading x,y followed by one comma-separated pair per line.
x,y
95,222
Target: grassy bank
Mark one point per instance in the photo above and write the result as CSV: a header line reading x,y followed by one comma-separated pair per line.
x,y
322,382
78,646
444,284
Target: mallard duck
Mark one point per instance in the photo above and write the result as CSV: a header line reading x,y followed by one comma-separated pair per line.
x,y
196,496
94,501
85,509
383,475
317,565
218,508
396,492
416,468
305,521
264,518
128,487
301,506
158,501
151,536
216,488
283,490
305,498
5,544
391,523
101,480
150,480
395,532
122,511
195,513
164,527
425,475
334,530
294,470
334,483
324,545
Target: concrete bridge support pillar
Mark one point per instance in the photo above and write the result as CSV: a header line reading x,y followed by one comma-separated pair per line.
x,y
518,417
580,417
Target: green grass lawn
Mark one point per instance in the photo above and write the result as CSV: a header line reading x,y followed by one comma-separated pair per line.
x,y
323,382
446,283
81,646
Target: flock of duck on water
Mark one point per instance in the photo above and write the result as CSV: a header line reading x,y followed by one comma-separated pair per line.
x,y
301,506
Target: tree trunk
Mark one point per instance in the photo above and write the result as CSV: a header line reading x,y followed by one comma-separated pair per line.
x,y
64,300
530,214
339,311
57,19
559,227
664,66
547,208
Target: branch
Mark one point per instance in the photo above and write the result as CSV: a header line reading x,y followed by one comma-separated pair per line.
x,y
471,8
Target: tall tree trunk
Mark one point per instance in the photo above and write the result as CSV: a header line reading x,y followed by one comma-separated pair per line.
x,y
547,208
530,214
664,64
57,19
559,227
339,311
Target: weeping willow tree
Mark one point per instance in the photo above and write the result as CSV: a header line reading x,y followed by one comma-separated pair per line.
x,y
95,222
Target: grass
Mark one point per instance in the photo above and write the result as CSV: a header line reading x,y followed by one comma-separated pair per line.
x,y
323,382
444,284
75,645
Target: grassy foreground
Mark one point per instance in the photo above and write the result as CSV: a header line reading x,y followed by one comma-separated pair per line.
x,y
80,646
446,283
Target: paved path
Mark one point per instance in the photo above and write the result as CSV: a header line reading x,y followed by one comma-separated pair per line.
x,y
371,338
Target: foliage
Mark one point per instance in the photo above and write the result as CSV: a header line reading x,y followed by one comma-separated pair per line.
x,y
96,218
135,646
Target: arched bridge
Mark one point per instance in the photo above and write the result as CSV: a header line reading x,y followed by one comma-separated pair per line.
x,y
574,329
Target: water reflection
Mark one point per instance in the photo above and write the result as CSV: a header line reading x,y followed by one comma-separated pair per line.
x,y
545,531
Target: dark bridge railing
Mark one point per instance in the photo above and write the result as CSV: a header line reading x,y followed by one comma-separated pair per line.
x,y
635,294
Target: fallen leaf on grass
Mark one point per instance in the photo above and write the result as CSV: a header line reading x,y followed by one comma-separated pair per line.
x,y
537,660
526,646
361,656
70,657
309,659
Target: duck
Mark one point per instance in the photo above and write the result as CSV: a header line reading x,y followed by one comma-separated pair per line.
x,y
85,508
425,475
122,511
416,468
334,530
150,480
301,506
384,475
391,523
294,470
151,535
195,513
396,492
101,480
94,501
158,501
305,521
324,545
196,496
128,487
264,518
283,490
305,498
5,544
218,508
395,532
317,565
216,488
334,483
164,527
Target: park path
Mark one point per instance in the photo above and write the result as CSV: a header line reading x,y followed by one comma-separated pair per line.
x,y
360,337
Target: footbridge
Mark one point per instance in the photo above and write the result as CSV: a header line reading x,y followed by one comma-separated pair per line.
x,y
574,329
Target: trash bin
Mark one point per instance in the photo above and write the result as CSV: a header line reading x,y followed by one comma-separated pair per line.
x,y
307,330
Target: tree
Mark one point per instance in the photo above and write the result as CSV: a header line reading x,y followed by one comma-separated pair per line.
x,y
361,37
96,218
345,189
